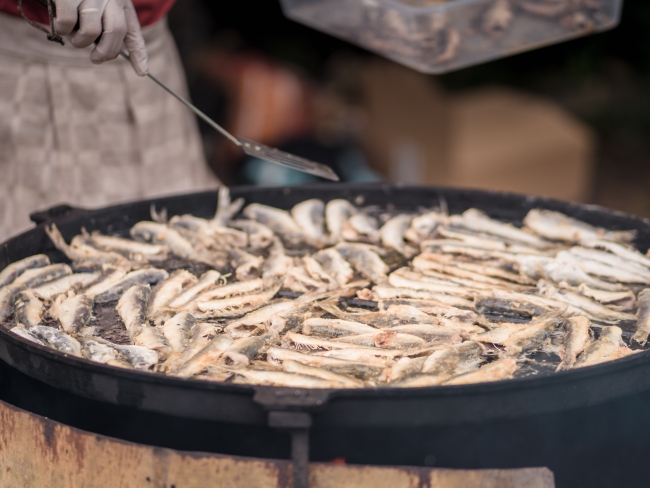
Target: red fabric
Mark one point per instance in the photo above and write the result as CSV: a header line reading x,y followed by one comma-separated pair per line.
x,y
149,11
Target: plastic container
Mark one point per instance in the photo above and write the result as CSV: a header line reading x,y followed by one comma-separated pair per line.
x,y
437,36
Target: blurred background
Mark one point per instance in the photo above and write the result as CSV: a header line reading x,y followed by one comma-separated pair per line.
x,y
570,121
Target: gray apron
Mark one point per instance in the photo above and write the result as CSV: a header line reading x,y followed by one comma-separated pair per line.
x,y
73,132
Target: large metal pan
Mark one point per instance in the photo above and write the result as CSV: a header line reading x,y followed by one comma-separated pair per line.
x,y
384,407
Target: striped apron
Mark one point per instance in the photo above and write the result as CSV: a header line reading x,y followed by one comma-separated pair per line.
x,y
73,132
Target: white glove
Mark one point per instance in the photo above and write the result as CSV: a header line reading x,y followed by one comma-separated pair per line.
x,y
116,21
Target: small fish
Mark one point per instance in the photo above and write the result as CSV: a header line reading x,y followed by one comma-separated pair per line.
x,y
317,272
246,325
513,306
601,270
361,227
141,358
238,305
620,250
276,355
392,234
592,309
335,265
388,293
393,316
391,339
97,351
36,277
152,338
366,261
11,272
302,369
500,369
168,289
148,276
161,234
73,313
226,208
240,353
423,226
498,335
200,335
612,260
576,340
415,281
177,331
430,307
368,355
50,290
259,235
430,333
402,336
421,263
299,341
277,265
132,308
494,272
446,363
20,331
227,237
83,254
621,301
310,217
334,327
642,318
199,233
137,251
488,242
247,266
207,280
531,337
421,380
292,380
230,290
477,221
610,340
279,221
405,367
207,356
559,227
337,213
29,309
451,280
449,237
7,294
105,282
57,340
299,280
563,272
509,302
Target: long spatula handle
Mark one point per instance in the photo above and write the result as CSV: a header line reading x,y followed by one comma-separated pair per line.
x,y
189,105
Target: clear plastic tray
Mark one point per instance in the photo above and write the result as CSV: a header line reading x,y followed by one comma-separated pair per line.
x,y
437,36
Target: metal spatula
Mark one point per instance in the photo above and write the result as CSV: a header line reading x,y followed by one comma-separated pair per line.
x,y
249,147
255,149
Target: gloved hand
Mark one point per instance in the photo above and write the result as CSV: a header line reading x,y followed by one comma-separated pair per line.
x,y
116,21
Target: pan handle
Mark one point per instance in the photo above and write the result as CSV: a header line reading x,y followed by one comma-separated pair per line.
x,y
278,399
55,214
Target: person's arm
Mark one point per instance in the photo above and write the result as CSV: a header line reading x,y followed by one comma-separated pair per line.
x,y
115,21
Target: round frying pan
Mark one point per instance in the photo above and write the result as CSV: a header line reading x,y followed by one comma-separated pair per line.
x,y
381,407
